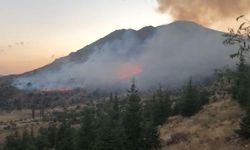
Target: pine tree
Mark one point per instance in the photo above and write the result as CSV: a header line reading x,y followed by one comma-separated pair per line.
x,y
245,125
112,107
110,133
132,120
190,100
13,142
86,136
241,87
240,38
162,107
116,108
65,137
27,141
151,136
42,141
52,135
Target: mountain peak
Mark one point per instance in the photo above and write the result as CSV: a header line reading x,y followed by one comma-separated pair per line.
x,y
182,23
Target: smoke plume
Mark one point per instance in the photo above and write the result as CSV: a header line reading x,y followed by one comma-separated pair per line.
x,y
205,12
170,56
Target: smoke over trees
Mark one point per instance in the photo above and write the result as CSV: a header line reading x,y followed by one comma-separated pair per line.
x,y
168,54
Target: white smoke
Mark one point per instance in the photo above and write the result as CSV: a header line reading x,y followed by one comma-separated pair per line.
x,y
173,54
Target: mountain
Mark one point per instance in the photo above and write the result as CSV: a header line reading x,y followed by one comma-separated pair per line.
x,y
168,54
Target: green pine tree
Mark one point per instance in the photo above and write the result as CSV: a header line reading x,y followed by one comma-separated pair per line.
x,y
133,119
245,125
110,133
241,88
13,142
65,137
42,141
161,107
190,100
151,136
87,132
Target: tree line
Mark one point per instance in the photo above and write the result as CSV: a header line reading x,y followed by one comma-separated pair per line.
x,y
240,89
117,123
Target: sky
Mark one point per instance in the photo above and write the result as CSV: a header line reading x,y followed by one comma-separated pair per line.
x,y
36,32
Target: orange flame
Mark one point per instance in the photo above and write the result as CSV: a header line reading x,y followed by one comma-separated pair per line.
x,y
126,71
61,90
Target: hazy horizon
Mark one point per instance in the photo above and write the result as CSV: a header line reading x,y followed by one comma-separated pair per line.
x,y
35,33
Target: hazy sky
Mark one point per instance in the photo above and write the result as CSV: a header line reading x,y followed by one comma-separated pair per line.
x,y
35,32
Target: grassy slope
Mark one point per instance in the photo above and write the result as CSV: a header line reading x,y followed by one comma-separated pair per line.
x,y
210,129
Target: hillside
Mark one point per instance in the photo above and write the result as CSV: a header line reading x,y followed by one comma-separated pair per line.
x,y
151,54
212,128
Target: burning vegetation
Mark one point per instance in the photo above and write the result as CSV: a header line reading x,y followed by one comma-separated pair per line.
x,y
128,71
59,90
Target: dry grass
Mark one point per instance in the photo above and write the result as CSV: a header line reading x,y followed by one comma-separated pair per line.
x,y
22,119
211,129
15,115
19,120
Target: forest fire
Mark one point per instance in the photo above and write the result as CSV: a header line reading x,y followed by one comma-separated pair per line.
x,y
126,71
59,90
